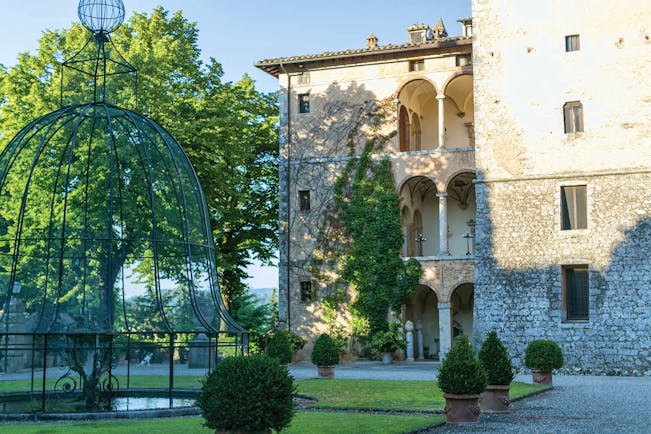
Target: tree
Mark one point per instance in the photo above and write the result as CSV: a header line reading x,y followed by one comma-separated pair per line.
x,y
229,130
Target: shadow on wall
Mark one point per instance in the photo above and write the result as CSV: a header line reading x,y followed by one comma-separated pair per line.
x,y
527,304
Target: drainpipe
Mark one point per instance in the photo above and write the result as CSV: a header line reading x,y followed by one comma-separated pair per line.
x,y
289,196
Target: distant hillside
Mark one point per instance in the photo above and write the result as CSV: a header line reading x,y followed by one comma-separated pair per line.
x,y
263,294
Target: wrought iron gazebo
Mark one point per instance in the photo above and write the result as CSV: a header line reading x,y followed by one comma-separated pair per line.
x,y
107,261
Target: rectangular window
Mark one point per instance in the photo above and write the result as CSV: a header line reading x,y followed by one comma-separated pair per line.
x,y
572,43
306,290
463,59
574,207
416,65
304,78
573,117
576,304
304,200
304,103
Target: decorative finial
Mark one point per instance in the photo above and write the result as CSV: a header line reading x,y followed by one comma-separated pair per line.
x,y
101,16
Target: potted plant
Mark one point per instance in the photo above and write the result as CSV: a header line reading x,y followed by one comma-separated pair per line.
x,y
248,394
325,355
386,342
541,356
462,378
280,347
495,359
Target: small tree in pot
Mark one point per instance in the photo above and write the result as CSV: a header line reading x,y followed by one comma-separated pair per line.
x,y
325,355
541,356
462,378
495,359
386,342
248,394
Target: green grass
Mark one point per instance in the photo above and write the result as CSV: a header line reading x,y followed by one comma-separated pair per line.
x,y
136,381
303,423
385,394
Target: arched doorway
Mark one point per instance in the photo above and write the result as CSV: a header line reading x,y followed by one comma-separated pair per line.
x,y
461,305
422,310
421,226
418,116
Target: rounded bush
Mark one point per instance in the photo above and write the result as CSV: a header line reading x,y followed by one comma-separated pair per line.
x,y
325,351
248,394
543,355
461,373
280,347
495,359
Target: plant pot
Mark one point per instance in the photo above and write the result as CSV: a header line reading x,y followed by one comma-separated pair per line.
x,y
541,377
326,371
461,409
495,399
387,358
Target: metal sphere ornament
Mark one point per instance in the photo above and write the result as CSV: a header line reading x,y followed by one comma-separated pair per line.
x,y
101,16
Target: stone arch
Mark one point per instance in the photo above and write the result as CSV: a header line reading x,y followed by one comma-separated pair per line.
x,y
462,301
422,310
403,130
420,193
459,110
418,98
462,213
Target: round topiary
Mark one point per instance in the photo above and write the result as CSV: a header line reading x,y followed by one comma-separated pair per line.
x,y
543,355
461,373
325,351
280,347
495,359
251,394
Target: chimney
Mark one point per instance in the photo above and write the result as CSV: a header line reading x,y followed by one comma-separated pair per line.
x,y
438,31
466,26
418,33
371,41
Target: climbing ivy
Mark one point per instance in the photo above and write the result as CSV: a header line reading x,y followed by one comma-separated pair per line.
x,y
362,236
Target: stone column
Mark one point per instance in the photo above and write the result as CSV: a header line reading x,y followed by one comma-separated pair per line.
x,y
419,340
443,224
409,329
441,112
445,329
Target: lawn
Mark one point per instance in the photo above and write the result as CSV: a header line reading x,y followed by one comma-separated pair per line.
x,y
385,394
327,423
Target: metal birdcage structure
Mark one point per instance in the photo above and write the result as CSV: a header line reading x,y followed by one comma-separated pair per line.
x,y
107,261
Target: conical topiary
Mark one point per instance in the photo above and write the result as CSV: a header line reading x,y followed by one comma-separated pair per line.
x,y
495,359
461,373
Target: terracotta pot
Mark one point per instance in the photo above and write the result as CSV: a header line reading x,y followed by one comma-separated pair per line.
x,y
495,399
541,377
461,408
326,371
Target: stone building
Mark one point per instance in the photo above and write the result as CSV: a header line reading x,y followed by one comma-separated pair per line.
x,y
520,152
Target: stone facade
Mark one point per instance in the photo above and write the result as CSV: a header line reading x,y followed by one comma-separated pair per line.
x,y
477,132
523,78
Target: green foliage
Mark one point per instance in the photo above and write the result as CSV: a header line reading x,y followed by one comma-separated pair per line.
x,y
296,341
256,317
389,340
229,130
495,359
543,355
280,347
325,352
248,394
461,373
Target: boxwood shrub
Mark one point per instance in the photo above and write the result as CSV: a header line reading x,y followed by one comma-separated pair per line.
x,y
280,347
325,351
461,373
495,359
543,355
251,394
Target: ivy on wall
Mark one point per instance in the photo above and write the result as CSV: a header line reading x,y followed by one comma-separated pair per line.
x,y
361,237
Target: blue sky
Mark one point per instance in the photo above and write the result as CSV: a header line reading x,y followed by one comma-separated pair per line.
x,y
240,33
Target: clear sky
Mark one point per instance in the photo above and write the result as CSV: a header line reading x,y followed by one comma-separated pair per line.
x,y
239,33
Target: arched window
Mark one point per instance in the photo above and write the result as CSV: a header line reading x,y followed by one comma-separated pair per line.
x,y
403,130
415,132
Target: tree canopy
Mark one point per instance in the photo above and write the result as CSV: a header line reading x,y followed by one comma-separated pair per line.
x,y
228,130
